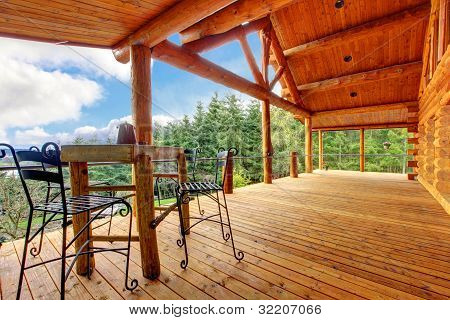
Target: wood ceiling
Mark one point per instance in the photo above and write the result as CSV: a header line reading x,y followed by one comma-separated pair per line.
x,y
383,38
389,35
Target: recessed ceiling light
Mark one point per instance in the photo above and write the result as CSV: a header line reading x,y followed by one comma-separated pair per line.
x,y
353,94
348,58
339,4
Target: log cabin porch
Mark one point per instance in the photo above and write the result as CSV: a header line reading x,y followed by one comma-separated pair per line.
x,y
342,65
327,235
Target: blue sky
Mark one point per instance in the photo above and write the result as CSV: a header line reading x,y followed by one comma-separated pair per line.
x,y
56,92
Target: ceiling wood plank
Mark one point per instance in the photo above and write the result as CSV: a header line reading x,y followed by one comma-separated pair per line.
x,y
184,59
177,18
399,21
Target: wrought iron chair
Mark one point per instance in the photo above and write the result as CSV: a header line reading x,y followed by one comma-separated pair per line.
x,y
62,210
211,190
53,192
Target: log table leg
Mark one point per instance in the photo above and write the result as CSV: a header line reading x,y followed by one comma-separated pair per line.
x,y
143,178
183,177
79,183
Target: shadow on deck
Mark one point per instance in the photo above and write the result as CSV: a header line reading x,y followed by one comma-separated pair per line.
x,y
328,235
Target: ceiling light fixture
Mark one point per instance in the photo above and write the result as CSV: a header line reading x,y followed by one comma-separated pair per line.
x,y
339,4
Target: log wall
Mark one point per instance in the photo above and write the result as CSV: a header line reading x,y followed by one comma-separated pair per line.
x,y
434,134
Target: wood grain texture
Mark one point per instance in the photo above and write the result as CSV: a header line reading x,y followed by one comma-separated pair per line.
x,y
366,245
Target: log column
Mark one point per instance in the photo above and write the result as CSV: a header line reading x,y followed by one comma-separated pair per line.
x,y
267,141
442,150
141,108
265,107
320,133
79,183
362,161
308,145
294,165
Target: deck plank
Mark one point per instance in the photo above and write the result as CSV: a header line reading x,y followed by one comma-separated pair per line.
x,y
327,235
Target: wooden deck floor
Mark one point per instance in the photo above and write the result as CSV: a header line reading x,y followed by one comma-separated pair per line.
x,y
327,235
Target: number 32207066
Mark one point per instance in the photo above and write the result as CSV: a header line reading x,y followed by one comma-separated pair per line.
x,y
289,309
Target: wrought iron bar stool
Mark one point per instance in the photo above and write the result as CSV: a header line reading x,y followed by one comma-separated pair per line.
x,y
211,190
66,207
54,191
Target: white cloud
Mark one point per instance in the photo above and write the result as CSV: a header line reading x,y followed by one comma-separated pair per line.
x,y
38,136
99,62
31,97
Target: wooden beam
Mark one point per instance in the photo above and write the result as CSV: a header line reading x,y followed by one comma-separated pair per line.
x,y
410,105
362,164
320,133
367,126
191,62
180,16
257,75
308,146
360,78
287,75
444,14
143,204
231,16
218,40
276,78
398,22
267,147
293,167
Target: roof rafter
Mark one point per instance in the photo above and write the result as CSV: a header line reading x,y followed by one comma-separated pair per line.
x,y
410,106
360,78
179,17
229,17
186,60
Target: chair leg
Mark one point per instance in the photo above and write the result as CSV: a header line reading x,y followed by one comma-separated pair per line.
x,y
36,251
182,242
134,283
24,255
110,220
238,254
225,235
63,258
88,248
200,211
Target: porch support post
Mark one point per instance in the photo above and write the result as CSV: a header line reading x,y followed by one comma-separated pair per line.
x,y
294,165
308,145
267,141
265,106
362,164
141,108
320,133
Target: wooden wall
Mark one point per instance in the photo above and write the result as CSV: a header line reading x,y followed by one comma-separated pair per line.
x,y
433,148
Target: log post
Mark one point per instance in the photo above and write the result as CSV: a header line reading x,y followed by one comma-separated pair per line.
x,y
267,141
265,107
79,183
141,107
228,174
320,133
294,165
183,177
362,162
308,145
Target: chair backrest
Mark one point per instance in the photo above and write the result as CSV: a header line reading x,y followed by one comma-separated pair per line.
x,y
48,157
222,161
126,134
191,156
